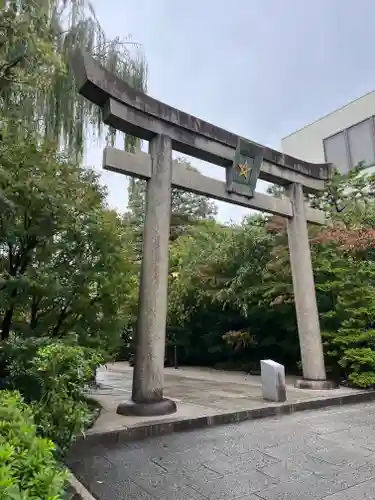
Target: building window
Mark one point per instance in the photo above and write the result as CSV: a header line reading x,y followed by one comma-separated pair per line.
x,y
361,143
352,146
336,151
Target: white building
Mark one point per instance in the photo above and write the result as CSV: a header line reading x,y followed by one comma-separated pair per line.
x,y
344,137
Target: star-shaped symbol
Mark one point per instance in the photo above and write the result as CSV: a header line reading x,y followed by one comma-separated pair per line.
x,y
244,170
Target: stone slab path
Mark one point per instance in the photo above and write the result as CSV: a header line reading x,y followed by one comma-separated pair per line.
x,y
198,392
326,454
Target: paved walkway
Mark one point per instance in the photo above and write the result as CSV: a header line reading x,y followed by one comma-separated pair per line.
x,y
199,392
325,454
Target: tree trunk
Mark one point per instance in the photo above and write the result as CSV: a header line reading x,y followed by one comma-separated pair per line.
x,y
7,323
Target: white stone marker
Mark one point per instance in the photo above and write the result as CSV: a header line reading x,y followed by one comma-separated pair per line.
x,y
273,380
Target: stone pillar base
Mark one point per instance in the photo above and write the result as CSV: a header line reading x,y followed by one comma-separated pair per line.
x,y
315,385
152,409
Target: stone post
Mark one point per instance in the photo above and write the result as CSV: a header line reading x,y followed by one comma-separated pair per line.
x,y
148,375
314,374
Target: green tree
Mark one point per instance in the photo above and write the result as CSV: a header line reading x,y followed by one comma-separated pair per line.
x,y
187,208
36,81
28,465
344,263
219,282
232,300
66,265
196,321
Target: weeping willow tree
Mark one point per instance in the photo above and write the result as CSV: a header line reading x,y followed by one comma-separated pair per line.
x,y
36,82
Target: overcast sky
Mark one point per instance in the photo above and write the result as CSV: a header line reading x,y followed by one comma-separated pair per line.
x,y
259,68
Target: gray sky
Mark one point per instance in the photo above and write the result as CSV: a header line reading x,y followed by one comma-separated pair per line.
x,y
259,68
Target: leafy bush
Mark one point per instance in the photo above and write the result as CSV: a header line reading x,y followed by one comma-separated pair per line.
x,y
28,468
239,339
66,260
361,362
53,381
15,358
234,280
346,295
63,371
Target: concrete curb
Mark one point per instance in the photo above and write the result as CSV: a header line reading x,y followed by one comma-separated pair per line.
x,y
146,430
76,490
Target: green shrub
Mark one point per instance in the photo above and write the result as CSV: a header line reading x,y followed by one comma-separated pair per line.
x,y
351,354
65,368
346,297
53,379
15,357
28,468
63,371
360,363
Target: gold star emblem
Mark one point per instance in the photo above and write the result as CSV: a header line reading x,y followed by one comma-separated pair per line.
x,y
244,170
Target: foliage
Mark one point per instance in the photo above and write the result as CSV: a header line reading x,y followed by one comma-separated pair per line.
x,y
187,209
36,40
196,323
16,355
239,340
361,364
28,468
65,273
65,260
27,51
345,275
53,379
231,302
349,198
63,372
225,285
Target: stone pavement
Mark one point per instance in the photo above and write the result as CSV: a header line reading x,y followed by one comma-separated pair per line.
x,y
327,454
202,394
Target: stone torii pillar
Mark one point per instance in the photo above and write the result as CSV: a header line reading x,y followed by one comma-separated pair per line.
x,y
314,373
148,376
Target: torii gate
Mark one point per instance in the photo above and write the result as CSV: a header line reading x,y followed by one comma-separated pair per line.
x,y
167,128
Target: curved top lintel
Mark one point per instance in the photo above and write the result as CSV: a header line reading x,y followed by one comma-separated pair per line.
x,y
99,85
